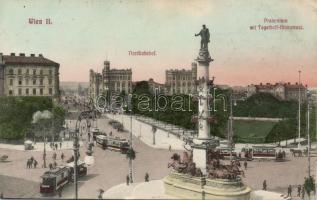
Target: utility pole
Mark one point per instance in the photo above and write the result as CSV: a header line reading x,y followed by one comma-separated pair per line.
x,y
299,102
76,156
131,143
231,128
308,134
44,153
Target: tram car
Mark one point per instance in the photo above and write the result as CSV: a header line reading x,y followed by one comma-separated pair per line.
x,y
101,140
118,144
95,132
263,152
81,169
225,152
54,179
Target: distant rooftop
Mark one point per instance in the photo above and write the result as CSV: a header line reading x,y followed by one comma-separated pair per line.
x,y
22,59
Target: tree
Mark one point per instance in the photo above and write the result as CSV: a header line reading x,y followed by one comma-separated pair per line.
x,y
131,156
309,185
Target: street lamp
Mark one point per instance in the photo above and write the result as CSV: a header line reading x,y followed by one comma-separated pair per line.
x,y
230,131
299,102
76,151
131,143
308,133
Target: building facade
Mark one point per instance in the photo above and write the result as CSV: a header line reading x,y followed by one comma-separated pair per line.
x,y
156,87
283,91
95,84
22,75
110,80
181,81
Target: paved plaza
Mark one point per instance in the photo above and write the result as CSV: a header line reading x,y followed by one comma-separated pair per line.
x,y
110,169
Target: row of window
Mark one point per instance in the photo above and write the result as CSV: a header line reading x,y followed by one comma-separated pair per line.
x,y
27,91
120,78
27,71
123,84
34,81
183,78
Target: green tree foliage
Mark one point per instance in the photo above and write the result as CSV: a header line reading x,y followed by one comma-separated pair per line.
x,y
16,115
169,114
309,185
265,105
131,154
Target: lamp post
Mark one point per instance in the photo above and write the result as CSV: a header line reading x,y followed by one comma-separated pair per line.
x,y
76,150
230,132
44,151
299,113
131,143
308,134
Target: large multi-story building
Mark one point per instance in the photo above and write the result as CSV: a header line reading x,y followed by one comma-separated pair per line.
x,y
110,80
181,81
22,75
283,91
95,84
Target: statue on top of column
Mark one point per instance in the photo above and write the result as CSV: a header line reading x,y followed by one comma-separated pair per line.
x,y
205,37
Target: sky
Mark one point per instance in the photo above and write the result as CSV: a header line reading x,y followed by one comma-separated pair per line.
x,y
84,33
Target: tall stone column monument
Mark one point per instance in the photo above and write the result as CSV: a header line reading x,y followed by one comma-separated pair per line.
x,y
190,178
204,141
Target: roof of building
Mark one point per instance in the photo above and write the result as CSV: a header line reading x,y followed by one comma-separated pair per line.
x,y
286,85
21,59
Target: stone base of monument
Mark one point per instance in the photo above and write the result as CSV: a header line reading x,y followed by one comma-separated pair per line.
x,y
187,187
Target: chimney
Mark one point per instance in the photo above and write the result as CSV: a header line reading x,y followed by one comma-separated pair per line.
x,y
12,54
288,83
296,83
22,54
41,55
32,55
260,83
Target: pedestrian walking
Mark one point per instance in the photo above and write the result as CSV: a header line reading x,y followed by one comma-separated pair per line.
x,y
60,144
50,166
284,154
147,177
289,191
303,192
264,185
54,164
54,156
169,147
299,188
56,146
128,179
60,191
31,159
62,156
101,191
28,163
34,163
245,164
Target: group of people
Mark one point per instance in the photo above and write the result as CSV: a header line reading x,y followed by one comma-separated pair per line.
x,y
54,145
31,162
146,178
300,190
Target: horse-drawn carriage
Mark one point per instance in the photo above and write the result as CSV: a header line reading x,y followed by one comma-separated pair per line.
x,y
3,158
28,145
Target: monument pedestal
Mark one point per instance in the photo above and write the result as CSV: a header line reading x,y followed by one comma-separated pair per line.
x,y
185,186
200,148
